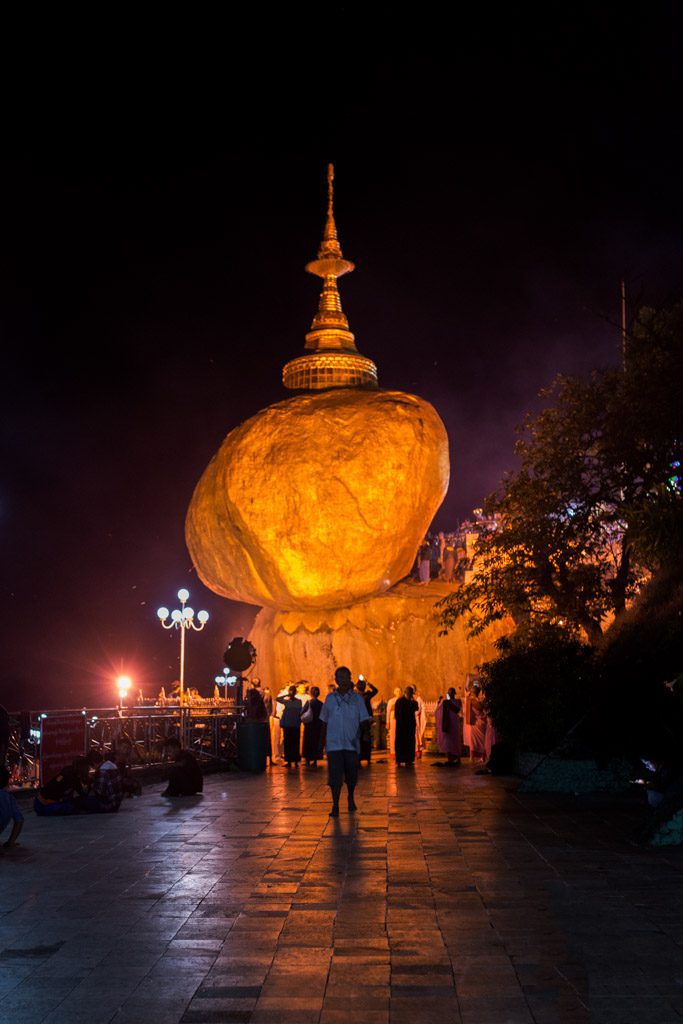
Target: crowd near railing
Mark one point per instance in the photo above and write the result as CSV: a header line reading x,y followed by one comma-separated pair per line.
x,y
42,742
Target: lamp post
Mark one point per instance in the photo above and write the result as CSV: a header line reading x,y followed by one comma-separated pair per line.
x,y
183,619
225,680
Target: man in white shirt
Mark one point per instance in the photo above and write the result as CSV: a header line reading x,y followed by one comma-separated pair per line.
x,y
343,712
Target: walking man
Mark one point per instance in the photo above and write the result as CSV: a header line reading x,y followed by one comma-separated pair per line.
x,y
343,712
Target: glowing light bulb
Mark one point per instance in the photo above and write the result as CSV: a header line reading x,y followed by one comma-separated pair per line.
x,y
163,613
188,613
176,615
203,616
183,595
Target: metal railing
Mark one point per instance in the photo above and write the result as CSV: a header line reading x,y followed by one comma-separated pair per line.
x,y
209,732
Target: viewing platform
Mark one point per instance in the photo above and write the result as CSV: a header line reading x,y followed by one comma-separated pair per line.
x,y
447,897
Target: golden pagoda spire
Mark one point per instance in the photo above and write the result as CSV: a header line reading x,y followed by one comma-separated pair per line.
x,y
334,360
330,244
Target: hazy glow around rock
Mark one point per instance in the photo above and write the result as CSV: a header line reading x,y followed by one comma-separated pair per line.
x,y
320,500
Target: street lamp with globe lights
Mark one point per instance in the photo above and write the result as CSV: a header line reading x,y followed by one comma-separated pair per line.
x,y
183,619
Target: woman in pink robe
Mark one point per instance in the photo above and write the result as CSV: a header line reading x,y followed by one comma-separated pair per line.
x,y
478,721
449,727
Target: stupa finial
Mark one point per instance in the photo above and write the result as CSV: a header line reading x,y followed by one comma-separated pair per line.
x,y
334,360
330,244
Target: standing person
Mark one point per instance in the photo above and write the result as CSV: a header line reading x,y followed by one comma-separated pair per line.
x,y
405,711
478,725
449,727
184,776
467,717
391,722
9,810
442,545
424,561
343,713
290,723
421,722
367,692
276,727
448,557
314,729
254,705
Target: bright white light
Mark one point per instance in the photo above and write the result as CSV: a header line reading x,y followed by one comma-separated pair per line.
x,y
183,595
219,679
124,683
176,615
163,613
188,613
203,616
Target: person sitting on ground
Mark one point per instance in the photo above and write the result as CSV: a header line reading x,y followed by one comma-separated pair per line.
x,y
123,755
61,794
343,713
9,810
184,776
106,791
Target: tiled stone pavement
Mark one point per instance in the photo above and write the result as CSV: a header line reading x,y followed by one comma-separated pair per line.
x,y
447,898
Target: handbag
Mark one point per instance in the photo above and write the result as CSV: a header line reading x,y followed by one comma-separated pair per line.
x,y
307,716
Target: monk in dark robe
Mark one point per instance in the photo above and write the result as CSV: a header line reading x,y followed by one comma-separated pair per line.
x,y
314,729
405,714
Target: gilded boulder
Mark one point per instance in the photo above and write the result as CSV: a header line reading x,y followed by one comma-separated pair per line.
x,y
319,501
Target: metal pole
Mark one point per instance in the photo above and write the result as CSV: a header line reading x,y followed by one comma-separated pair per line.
x,y
623,323
182,660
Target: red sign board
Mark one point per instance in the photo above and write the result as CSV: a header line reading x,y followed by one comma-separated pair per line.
x,y
62,740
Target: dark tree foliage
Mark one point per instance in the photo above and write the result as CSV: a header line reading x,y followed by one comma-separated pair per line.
x,y
639,675
596,503
537,691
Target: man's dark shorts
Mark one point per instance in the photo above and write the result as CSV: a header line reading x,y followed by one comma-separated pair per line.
x,y
342,766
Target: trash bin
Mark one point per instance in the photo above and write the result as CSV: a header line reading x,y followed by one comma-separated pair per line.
x,y
252,745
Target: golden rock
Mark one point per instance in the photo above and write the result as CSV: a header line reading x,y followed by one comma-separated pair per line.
x,y
319,501
393,640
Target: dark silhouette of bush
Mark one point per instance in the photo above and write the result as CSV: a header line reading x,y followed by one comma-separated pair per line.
x,y
537,691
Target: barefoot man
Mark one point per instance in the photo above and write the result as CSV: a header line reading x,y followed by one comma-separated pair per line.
x,y
343,711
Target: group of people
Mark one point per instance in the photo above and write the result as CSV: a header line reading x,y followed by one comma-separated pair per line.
x,y
97,783
298,705
464,724
442,557
339,727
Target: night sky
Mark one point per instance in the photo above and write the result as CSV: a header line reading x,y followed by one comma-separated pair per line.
x,y
162,190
